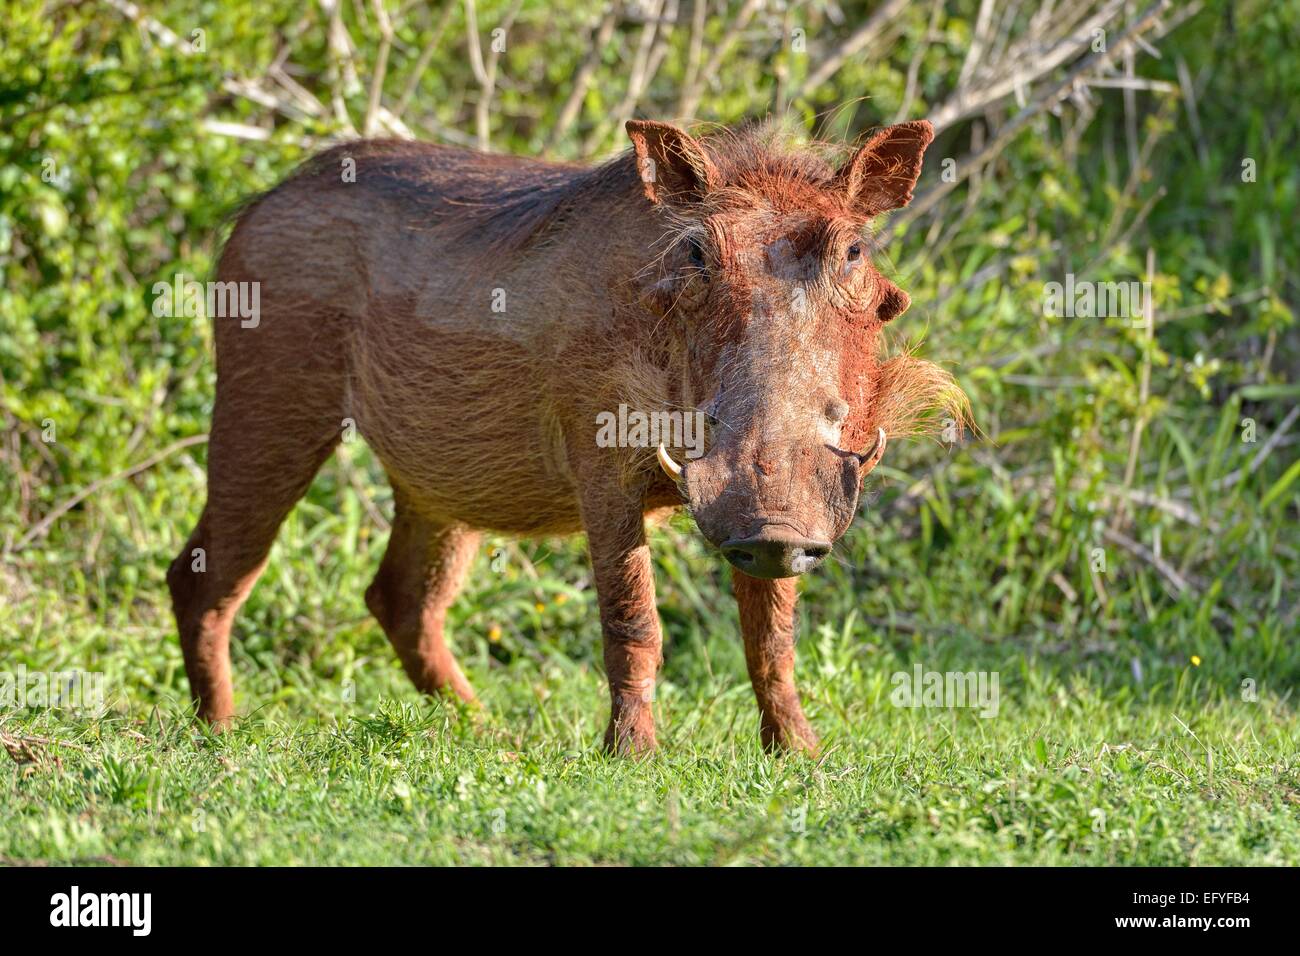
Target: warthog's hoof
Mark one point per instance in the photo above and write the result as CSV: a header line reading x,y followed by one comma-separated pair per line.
x,y
630,738
793,736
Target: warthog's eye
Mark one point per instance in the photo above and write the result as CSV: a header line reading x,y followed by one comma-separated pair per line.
x,y
695,250
854,256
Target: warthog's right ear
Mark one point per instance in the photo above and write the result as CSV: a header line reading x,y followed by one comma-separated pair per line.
x,y
672,164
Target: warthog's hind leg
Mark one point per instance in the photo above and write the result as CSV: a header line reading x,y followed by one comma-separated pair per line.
x,y
423,569
265,447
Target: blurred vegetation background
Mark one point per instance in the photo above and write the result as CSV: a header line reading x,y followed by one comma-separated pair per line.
x,y
1167,142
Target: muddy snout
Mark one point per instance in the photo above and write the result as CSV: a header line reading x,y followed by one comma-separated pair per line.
x,y
775,552
769,521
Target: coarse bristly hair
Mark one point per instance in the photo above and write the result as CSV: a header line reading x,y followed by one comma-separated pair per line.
x,y
377,318
918,398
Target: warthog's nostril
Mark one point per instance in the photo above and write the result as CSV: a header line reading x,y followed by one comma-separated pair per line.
x,y
739,557
773,555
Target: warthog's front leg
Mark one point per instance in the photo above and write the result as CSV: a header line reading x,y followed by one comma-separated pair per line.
x,y
767,625
620,560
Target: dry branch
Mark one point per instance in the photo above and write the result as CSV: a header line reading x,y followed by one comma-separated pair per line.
x,y
967,165
859,41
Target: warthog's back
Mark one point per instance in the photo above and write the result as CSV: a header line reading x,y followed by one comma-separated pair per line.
x,y
377,221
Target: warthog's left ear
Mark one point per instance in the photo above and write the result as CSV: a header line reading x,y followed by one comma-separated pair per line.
x,y
672,164
881,174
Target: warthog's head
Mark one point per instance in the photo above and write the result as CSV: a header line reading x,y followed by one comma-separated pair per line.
x,y
768,281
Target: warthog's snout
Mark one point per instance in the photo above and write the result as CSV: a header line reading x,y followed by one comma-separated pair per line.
x,y
769,519
775,553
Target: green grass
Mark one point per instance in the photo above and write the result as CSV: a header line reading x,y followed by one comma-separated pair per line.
x,y
1065,774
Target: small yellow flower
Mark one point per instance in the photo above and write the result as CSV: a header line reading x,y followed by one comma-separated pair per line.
x,y
1196,661
540,607
561,598
494,634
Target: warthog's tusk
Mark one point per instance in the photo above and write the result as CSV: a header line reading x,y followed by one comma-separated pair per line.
x,y
877,450
670,467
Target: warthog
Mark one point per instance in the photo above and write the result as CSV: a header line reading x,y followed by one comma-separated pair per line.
x,y
474,316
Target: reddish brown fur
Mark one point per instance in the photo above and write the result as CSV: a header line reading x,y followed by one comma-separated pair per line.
x,y
377,308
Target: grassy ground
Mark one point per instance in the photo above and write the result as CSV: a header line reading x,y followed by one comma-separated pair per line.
x,y
1074,779
1068,773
